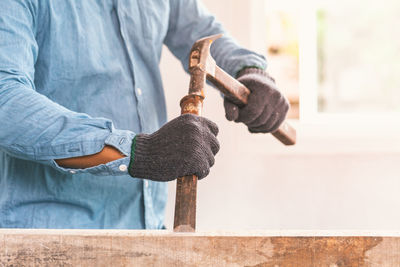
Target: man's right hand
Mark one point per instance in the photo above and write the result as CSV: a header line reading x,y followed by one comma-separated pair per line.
x,y
184,146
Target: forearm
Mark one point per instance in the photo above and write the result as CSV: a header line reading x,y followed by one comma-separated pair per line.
x,y
35,128
105,156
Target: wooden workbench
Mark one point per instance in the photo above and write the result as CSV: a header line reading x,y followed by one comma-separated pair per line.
x,y
164,248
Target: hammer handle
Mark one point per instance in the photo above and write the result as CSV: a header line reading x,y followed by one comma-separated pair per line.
x,y
186,187
238,94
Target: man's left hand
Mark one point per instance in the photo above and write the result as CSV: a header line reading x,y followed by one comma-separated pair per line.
x,y
266,108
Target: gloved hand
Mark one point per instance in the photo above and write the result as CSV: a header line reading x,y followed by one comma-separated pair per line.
x,y
184,146
266,108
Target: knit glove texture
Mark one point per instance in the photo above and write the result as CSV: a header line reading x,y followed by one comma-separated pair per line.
x,y
266,108
184,146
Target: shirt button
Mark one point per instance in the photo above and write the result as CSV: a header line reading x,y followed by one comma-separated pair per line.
x,y
122,140
72,172
146,184
123,168
139,91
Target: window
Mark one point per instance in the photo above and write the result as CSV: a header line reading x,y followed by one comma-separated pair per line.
x,y
337,58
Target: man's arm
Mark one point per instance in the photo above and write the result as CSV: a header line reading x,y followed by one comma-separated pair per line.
x,y
190,21
33,127
267,107
105,156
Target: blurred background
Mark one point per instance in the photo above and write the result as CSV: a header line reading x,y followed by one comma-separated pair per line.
x,y
339,63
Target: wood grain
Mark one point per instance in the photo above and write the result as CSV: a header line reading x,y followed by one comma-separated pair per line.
x,y
164,248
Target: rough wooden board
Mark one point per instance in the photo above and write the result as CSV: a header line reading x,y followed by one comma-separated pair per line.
x,y
163,248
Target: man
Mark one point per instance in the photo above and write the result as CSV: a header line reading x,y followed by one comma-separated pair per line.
x,y
82,103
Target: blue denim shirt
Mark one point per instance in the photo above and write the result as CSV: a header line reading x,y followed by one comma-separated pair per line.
x,y
76,75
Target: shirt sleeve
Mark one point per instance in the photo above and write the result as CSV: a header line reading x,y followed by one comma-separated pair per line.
x,y
32,127
189,21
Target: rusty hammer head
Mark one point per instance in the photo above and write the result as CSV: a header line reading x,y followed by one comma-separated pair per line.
x,y
201,63
200,56
203,67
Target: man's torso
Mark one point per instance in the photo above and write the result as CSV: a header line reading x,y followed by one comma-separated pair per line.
x,y
100,58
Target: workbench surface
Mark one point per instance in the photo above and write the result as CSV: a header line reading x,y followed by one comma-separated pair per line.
x,y
32,247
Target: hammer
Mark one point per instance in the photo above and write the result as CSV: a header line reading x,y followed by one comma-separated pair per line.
x,y
202,67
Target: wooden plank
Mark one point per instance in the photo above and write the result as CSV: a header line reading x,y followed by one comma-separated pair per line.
x,y
164,248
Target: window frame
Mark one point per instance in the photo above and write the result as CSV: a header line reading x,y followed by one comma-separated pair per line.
x,y
308,80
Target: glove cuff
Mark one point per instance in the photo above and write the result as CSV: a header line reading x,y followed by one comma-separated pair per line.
x,y
140,152
254,70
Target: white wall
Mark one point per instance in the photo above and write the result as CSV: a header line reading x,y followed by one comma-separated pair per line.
x,y
335,178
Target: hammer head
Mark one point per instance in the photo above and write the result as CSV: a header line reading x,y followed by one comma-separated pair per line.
x,y
200,57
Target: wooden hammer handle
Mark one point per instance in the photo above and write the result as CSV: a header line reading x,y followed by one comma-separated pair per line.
x,y
186,187
238,94
185,204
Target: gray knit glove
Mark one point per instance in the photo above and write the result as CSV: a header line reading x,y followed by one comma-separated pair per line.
x,y
184,146
266,108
